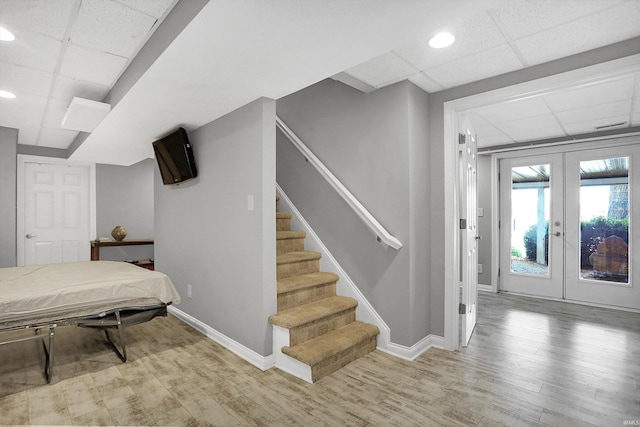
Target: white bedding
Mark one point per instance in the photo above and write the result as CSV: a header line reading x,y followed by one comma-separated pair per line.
x,y
39,293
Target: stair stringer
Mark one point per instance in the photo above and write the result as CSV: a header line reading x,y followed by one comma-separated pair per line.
x,y
345,286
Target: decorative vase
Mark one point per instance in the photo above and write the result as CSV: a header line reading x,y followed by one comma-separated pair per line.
x,y
119,232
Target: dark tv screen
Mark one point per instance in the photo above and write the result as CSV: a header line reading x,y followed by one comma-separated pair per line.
x,y
175,158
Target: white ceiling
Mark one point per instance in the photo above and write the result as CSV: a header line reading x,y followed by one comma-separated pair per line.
x,y
66,48
513,36
233,52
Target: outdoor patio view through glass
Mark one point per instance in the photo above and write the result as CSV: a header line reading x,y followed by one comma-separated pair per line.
x,y
604,220
530,208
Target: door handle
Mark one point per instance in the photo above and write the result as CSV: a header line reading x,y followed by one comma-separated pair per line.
x,y
30,236
557,233
478,237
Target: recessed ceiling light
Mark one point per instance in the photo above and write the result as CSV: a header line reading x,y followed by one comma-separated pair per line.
x,y
441,40
7,94
6,35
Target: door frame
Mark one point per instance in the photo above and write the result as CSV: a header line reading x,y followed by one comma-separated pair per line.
x,y
22,159
576,78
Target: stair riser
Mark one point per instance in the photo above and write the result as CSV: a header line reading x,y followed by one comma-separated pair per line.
x,y
298,268
304,296
342,359
309,331
289,245
283,224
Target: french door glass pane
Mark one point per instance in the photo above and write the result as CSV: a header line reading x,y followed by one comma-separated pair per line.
x,y
530,208
604,220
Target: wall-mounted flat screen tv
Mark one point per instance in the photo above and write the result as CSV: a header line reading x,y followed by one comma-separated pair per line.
x,y
175,158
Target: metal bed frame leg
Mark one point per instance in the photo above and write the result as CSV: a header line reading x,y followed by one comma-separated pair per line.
x,y
48,352
122,355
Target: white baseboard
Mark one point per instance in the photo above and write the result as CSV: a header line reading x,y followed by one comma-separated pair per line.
x,y
413,352
485,288
257,360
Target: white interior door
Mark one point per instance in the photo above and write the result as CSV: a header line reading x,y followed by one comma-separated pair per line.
x,y
603,235
468,178
56,213
532,225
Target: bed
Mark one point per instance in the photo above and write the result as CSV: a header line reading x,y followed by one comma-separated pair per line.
x,y
105,295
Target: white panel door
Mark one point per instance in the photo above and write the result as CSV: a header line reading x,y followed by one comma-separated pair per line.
x,y
56,213
468,170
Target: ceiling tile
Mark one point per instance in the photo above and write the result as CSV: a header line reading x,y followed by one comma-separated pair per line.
x,y
593,112
92,66
65,88
514,110
24,113
600,93
55,113
48,17
498,60
22,80
425,83
491,139
611,25
531,128
384,69
57,138
487,134
31,50
156,8
532,16
590,125
422,56
110,27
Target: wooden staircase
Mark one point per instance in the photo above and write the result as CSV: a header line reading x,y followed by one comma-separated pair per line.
x,y
323,333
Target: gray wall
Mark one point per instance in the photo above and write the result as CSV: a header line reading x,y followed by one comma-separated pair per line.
x,y
8,169
124,196
376,145
207,237
484,222
437,144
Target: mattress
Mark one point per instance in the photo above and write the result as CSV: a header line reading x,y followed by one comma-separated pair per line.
x,y
43,293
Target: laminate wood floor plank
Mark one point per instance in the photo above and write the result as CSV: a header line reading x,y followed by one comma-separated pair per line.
x,y
530,362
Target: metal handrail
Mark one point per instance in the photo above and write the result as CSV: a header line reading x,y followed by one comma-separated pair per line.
x,y
382,235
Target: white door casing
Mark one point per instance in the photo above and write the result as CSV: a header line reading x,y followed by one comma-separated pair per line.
x,y
56,210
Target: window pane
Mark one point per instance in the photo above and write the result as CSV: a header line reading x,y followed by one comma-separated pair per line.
x,y
604,220
530,208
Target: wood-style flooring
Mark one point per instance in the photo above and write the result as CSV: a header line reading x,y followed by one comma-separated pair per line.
x,y
530,362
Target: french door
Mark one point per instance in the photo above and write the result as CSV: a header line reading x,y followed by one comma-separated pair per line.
x,y
569,226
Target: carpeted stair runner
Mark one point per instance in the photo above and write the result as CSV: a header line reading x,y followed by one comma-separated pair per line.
x,y
323,331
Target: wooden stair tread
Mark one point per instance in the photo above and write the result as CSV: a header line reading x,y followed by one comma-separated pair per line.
x,y
291,257
295,234
325,346
304,281
283,215
313,311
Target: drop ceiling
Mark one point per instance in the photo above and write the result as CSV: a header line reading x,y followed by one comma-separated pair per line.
x,y
67,48
233,52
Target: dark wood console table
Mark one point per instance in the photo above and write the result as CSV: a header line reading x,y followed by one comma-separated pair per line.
x,y
97,244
